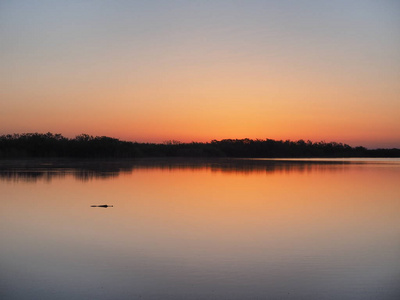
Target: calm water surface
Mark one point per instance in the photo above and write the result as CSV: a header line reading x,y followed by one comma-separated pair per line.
x,y
229,229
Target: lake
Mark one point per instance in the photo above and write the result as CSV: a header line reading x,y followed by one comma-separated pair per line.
x,y
200,229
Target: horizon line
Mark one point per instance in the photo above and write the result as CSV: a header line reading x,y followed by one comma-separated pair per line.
x,y
176,142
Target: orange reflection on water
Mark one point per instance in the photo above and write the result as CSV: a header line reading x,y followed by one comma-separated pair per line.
x,y
311,226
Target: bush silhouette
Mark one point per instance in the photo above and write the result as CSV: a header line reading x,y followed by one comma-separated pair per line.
x,y
30,145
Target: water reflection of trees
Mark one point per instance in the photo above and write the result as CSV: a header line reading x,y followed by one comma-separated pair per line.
x,y
48,175
35,170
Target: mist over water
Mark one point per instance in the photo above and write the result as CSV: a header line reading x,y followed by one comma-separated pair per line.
x,y
200,229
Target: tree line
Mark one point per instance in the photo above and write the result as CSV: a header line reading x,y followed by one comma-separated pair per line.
x,y
32,145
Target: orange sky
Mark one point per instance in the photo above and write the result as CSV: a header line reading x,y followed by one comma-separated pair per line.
x,y
196,72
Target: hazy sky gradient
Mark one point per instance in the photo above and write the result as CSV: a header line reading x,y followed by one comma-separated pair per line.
x,y
201,70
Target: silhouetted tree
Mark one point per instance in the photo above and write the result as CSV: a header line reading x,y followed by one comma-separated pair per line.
x,y
87,146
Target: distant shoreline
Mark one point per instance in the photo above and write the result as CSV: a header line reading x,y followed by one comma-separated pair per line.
x,y
48,145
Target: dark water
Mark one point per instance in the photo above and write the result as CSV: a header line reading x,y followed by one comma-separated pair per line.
x,y
218,229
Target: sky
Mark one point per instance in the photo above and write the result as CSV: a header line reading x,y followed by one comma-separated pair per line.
x,y
152,71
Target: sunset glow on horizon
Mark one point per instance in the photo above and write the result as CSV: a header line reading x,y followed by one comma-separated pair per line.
x,y
151,71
